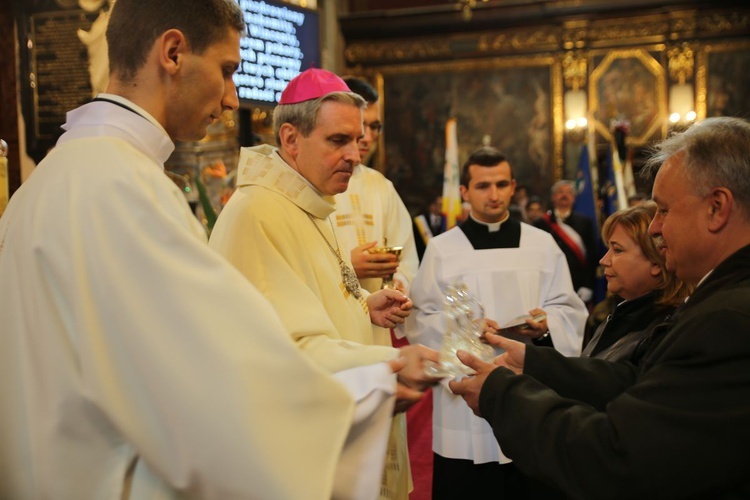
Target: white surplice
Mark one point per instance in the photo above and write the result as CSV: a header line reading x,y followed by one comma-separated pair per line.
x,y
508,282
126,339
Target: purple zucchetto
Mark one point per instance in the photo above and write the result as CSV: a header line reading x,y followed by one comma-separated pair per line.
x,y
311,84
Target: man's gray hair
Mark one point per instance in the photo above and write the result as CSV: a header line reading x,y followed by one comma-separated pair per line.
x,y
557,185
304,115
715,152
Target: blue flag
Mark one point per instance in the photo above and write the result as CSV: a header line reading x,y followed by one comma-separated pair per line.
x,y
609,187
585,203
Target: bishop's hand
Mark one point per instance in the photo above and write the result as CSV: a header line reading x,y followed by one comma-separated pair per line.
x,y
413,374
389,308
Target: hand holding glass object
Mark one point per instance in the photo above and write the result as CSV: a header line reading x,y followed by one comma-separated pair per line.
x,y
464,325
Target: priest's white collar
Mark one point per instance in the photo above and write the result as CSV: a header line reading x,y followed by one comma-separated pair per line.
x,y
492,227
560,216
130,104
117,117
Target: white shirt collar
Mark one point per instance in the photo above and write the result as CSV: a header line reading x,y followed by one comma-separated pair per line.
x,y
492,227
562,215
700,282
134,107
99,118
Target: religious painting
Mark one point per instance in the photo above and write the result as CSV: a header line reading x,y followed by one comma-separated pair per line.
x,y
628,86
728,81
507,104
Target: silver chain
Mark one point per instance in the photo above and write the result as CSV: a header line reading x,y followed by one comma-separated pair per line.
x,y
348,277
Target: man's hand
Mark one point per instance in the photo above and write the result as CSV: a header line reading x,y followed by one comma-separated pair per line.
x,y
411,379
470,387
398,285
535,329
388,307
412,374
585,293
532,329
406,397
515,352
489,326
373,265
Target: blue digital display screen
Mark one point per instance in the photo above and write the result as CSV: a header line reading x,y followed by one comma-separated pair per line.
x,y
282,41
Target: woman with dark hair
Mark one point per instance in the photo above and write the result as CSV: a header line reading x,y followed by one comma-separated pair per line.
x,y
646,293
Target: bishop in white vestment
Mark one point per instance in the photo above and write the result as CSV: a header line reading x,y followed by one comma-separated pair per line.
x,y
277,229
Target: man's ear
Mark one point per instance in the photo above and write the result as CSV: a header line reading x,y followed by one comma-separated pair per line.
x,y
172,46
464,192
721,202
289,137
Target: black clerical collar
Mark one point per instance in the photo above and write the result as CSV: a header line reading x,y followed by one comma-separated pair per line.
x,y
492,227
117,103
478,234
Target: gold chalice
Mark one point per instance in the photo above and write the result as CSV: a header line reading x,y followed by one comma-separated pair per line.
x,y
388,280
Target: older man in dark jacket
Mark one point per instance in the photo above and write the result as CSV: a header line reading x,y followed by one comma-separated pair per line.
x,y
678,426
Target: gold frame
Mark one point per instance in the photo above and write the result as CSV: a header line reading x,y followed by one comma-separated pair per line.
x,y
702,62
552,62
649,35
654,67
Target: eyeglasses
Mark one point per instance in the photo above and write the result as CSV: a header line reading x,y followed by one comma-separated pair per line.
x,y
375,127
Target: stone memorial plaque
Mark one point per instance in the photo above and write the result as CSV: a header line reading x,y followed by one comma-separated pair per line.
x,y
59,77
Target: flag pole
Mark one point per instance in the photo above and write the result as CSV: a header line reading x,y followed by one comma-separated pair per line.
x,y
451,175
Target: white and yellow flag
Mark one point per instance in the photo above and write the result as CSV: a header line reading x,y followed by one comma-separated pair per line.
x,y
451,174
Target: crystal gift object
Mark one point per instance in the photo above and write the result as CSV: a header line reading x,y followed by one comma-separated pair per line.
x,y
464,321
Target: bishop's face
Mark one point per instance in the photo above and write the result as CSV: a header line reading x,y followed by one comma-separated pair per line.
x,y
327,157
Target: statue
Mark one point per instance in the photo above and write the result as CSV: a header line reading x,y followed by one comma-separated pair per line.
x,y
96,43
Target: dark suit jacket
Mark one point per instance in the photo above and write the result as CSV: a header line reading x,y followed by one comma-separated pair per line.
x,y
583,275
677,427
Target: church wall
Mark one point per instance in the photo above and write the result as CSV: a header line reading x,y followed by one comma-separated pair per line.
x,y
504,74
47,50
